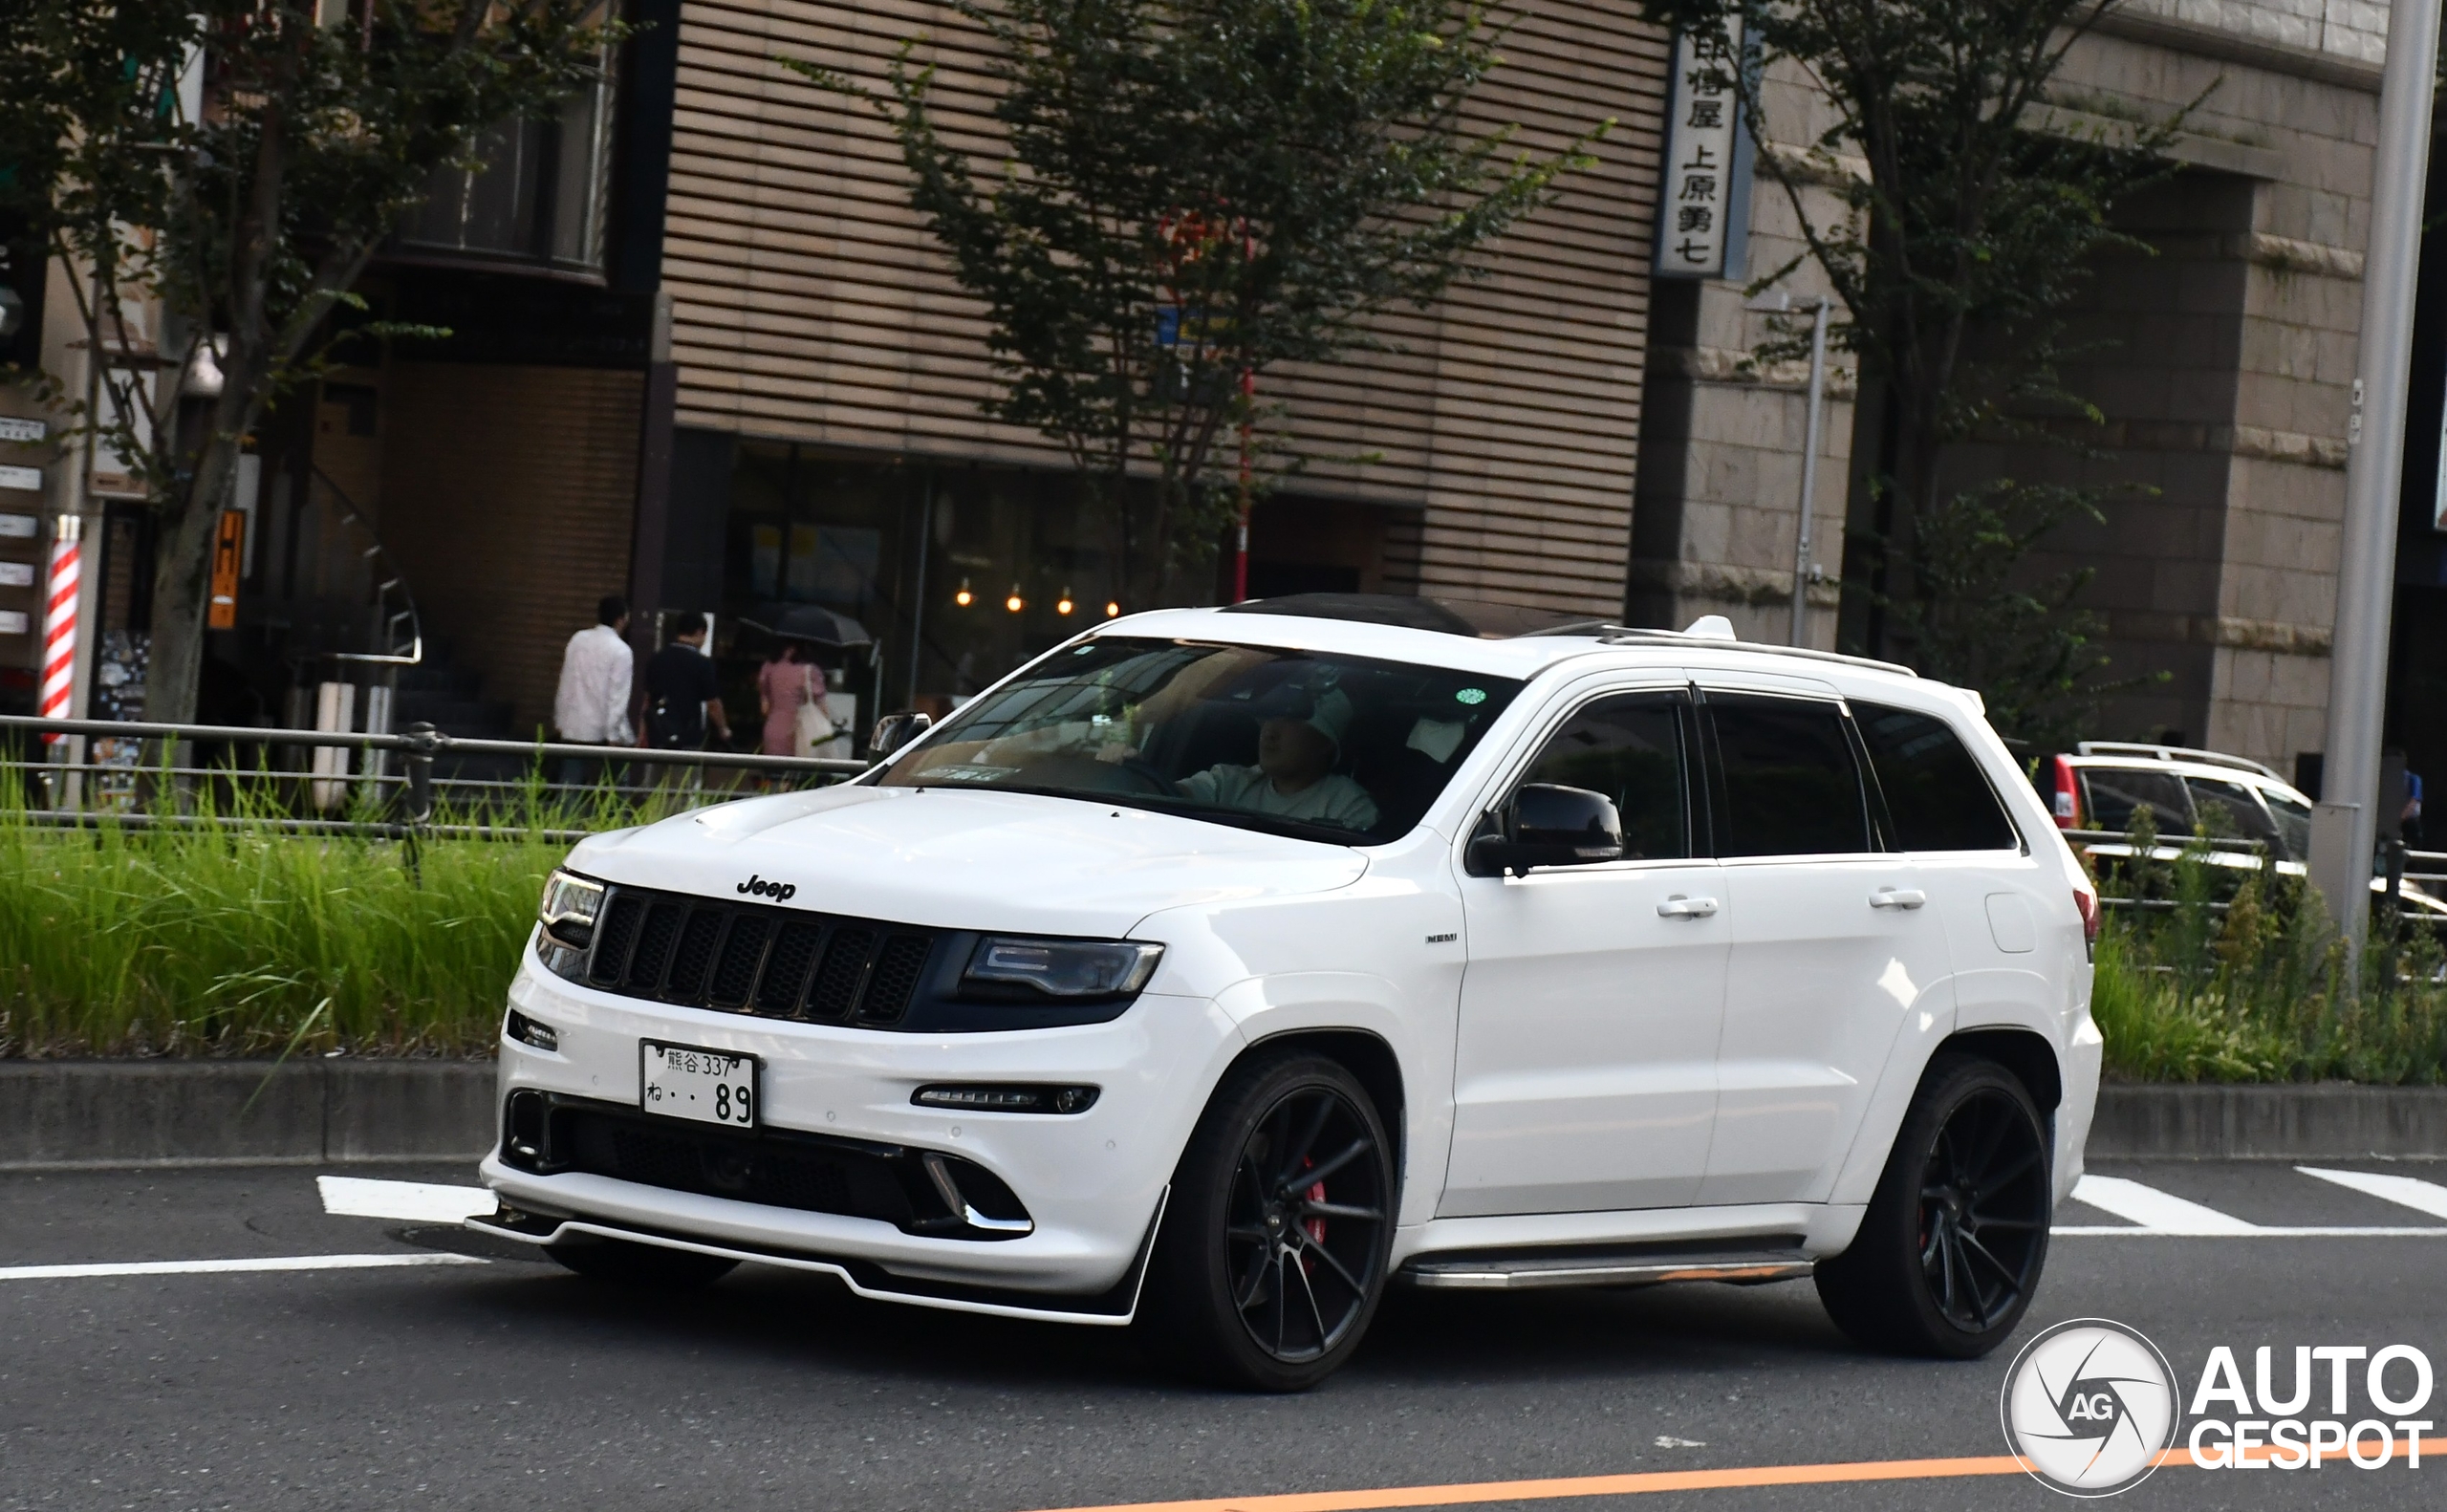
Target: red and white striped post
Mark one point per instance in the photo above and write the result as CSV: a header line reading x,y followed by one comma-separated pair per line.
x,y
59,624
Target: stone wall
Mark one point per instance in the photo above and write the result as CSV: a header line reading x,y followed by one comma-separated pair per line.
x,y
2227,381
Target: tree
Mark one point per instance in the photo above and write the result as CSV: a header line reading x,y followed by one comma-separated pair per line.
x,y
233,165
1960,247
1183,194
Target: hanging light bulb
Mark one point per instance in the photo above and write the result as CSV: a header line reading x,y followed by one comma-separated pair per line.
x,y
1112,608
964,598
1063,605
1015,603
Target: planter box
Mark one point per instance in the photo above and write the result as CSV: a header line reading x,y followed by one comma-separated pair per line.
x,y
2323,1121
62,1115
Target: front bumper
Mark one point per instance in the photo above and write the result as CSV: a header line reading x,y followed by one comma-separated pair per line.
x,y
1091,1183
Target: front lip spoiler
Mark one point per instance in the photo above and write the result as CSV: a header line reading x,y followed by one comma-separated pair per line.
x,y
490,1235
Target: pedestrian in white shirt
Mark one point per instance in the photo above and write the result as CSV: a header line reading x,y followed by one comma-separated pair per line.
x,y
591,708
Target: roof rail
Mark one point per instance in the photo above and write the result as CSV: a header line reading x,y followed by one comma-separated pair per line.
x,y
2175,753
1612,634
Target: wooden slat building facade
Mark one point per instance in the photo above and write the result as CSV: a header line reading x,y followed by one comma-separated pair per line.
x,y
810,304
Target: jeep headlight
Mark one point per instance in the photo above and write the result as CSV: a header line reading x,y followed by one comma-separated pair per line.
x,y
569,908
1062,969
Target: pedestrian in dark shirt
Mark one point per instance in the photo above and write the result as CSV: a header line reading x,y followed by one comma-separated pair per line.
x,y
681,698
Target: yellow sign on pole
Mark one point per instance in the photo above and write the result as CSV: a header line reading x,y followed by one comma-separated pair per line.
x,y
229,551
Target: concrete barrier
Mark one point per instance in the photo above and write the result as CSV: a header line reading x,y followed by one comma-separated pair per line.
x,y
63,1114
2321,1121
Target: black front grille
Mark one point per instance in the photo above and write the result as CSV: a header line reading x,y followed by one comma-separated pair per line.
x,y
748,958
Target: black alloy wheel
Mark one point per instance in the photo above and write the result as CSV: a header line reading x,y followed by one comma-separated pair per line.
x,y
1950,1250
1983,1210
1273,1254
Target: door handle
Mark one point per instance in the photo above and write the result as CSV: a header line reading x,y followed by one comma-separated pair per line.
x,y
1679,907
1897,897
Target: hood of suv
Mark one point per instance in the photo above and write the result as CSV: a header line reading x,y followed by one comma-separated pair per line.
x,y
963,860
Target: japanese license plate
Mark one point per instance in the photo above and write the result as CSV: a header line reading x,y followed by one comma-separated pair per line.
x,y
683,1081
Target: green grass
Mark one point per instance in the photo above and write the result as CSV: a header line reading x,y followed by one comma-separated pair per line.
x,y
247,940
250,941
2257,993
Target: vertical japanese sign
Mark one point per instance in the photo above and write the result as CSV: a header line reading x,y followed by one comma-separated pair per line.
x,y
1702,199
229,551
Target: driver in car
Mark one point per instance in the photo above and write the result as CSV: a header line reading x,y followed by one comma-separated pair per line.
x,y
1294,776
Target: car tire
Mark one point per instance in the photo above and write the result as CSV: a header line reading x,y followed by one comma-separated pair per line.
x,y
645,1266
1262,1279
1950,1250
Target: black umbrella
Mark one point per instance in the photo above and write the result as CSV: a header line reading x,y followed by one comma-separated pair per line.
x,y
814,624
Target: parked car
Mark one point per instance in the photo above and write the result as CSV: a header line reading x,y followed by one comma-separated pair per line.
x,y
2102,784
1220,967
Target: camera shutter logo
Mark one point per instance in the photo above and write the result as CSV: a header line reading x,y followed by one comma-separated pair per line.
x,y
2088,1406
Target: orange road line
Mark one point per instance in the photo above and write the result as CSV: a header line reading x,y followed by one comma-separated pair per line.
x,y
1484,1491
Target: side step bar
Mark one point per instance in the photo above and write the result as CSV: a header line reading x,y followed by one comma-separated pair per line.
x,y
1521,1272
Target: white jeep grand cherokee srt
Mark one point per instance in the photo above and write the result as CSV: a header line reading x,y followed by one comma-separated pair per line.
x,y
1220,967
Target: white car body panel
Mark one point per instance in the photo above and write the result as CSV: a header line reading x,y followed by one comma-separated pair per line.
x,y
1564,1079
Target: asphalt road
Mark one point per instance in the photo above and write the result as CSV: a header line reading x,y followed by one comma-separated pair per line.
x,y
508,1385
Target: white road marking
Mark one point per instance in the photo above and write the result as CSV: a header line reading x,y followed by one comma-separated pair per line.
x,y
199,1268
2163,1215
419,1201
2255,1231
2422,1196
2158,1211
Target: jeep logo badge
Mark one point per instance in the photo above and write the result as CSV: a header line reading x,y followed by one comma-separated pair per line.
x,y
778,892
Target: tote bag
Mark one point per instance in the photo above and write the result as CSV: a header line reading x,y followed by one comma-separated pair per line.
x,y
811,727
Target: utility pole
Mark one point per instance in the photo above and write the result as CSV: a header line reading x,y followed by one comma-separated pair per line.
x,y
1814,435
1811,441
2343,828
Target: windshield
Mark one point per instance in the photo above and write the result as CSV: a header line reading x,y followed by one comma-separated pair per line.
x,y
1329,747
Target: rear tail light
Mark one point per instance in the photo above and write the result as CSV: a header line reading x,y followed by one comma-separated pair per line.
x,y
2069,802
2088,902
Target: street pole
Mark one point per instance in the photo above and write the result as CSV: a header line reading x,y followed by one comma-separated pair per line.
x,y
2343,828
1809,471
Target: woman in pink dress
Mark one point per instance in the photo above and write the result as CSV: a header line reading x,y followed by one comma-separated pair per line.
x,y
787,682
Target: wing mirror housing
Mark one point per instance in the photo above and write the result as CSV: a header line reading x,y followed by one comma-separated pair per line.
x,y
894,731
1546,824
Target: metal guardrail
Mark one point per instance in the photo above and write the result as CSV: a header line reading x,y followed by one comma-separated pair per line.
x,y
411,793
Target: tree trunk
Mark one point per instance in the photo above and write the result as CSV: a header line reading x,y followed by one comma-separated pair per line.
x,y
181,585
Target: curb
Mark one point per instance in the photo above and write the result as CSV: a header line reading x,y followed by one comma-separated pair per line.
x,y
61,1115
64,1116
2317,1121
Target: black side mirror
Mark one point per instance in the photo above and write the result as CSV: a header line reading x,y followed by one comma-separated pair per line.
x,y
1546,824
894,731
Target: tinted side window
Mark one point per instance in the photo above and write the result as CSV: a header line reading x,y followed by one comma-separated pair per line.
x,y
1935,792
2115,792
2293,825
1792,787
1630,748
2229,812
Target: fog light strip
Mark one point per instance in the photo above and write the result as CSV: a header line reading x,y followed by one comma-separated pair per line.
x,y
1495,1491
206,1267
